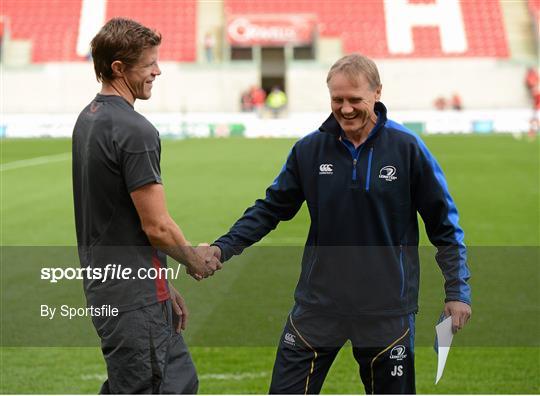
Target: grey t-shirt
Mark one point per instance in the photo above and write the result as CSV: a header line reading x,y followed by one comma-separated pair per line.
x,y
115,151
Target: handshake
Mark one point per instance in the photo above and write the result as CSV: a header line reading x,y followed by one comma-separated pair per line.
x,y
204,262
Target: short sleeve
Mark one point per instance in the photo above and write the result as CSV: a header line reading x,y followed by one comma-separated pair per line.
x,y
141,168
140,155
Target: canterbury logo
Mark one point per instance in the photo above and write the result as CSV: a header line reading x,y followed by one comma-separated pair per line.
x,y
388,173
290,338
326,169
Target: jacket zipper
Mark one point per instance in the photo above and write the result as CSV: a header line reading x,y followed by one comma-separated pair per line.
x,y
369,168
354,162
402,271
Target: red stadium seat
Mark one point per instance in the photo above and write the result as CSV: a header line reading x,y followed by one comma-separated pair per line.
x,y
53,25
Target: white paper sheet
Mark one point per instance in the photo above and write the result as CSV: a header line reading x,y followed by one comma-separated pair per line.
x,y
444,340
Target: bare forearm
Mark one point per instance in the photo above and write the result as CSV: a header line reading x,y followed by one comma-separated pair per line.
x,y
164,234
168,238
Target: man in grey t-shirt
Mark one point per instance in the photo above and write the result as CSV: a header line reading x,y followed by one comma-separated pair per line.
x,y
121,218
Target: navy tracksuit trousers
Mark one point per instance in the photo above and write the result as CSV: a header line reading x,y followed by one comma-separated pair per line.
x,y
382,346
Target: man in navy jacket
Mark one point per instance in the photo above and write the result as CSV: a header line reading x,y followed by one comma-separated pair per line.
x,y
364,179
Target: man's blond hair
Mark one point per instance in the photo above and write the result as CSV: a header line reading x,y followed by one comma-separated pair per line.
x,y
354,64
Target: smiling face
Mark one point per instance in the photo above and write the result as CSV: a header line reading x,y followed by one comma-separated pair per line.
x,y
353,101
139,77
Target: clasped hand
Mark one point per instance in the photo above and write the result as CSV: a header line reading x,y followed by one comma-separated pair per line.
x,y
209,261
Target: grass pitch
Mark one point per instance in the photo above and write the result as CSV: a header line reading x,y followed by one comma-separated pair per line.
x,y
493,179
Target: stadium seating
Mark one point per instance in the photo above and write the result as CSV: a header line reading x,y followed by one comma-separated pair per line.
x,y
177,23
361,25
53,25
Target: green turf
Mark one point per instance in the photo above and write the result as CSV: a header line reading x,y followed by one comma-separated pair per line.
x,y
81,370
494,180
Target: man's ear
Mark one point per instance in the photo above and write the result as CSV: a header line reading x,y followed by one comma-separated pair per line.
x,y
118,68
378,92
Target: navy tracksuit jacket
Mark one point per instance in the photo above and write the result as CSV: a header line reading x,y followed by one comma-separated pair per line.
x,y
361,254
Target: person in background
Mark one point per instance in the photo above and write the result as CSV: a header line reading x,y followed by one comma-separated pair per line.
x,y
209,44
531,81
246,101
440,103
533,90
258,97
456,102
276,101
2,35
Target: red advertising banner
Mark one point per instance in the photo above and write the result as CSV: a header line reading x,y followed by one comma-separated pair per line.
x,y
398,28
270,30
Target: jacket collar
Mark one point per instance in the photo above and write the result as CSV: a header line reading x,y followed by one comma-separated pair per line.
x,y
332,126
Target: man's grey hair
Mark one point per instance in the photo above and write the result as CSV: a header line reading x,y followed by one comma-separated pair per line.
x,y
354,64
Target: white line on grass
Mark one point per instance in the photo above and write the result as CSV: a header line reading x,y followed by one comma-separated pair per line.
x,y
35,161
222,377
93,377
